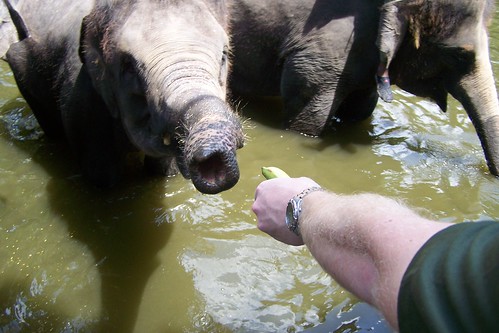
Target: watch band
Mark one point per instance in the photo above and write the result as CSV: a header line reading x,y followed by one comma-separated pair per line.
x,y
309,190
295,203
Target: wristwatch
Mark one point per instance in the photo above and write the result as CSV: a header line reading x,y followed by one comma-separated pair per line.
x,y
293,210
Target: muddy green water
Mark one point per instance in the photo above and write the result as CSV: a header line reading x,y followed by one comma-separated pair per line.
x,y
154,255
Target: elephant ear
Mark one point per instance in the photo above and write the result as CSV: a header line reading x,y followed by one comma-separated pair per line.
x,y
94,61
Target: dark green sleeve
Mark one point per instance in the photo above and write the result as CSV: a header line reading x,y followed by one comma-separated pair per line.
x,y
452,284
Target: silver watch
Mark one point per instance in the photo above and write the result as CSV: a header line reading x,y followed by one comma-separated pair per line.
x,y
293,210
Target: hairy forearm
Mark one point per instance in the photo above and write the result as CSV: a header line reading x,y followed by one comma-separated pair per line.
x,y
365,242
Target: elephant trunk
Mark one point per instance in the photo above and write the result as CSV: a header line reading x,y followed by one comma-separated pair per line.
x,y
207,130
476,91
212,134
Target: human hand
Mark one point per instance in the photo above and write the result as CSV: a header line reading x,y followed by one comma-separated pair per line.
x,y
271,200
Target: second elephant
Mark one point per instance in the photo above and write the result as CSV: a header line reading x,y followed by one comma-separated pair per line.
x,y
321,57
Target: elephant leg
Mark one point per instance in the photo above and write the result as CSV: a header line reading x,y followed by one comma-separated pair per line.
x,y
97,144
358,105
307,99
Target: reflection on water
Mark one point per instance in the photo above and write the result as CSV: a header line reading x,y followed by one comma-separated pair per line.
x,y
256,281
154,255
433,162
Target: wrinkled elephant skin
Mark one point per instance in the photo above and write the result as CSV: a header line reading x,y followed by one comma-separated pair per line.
x,y
321,57
119,76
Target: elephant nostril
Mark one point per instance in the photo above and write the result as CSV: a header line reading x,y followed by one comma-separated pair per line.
x,y
213,172
212,169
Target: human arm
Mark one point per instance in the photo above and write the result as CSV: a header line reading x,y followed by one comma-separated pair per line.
x,y
365,242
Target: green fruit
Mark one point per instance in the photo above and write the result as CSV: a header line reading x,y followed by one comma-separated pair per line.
x,y
273,172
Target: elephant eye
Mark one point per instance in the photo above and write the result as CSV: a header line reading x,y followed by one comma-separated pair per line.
x,y
130,76
224,65
225,53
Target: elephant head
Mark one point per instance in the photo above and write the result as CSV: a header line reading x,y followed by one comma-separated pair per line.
x,y
161,69
446,51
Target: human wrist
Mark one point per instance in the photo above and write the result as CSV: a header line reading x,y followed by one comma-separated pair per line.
x,y
313,208
294,209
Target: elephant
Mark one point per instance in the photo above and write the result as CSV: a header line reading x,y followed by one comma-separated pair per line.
x,y
112,77
321,57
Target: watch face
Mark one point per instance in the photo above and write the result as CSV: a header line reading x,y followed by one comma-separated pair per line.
x,y
289,214
296,209
292,214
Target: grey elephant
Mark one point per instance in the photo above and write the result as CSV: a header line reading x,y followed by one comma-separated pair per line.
x,y
321,57
113,77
